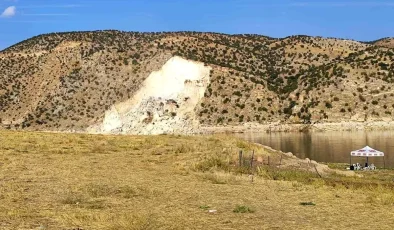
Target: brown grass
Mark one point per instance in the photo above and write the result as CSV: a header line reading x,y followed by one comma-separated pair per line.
x,y
66,181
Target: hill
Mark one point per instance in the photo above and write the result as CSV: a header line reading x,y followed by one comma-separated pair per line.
x,y
100,81
385,42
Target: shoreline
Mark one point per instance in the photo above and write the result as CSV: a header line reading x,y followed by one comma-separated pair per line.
x,y
286,127
255,128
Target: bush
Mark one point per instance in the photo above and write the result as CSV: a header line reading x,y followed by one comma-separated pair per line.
x,y
212,162
243,209
237,93
307,203
272,173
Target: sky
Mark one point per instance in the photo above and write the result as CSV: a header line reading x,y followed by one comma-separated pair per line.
x,y
361,20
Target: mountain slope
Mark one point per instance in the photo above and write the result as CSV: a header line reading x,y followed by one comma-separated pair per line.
x,y
69,81
385,42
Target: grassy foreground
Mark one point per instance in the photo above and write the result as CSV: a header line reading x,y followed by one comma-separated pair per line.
x,y
74,181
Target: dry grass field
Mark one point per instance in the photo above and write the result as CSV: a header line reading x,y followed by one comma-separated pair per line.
x,y
77,181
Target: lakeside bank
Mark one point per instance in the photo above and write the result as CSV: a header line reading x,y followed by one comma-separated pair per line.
x,y
287,127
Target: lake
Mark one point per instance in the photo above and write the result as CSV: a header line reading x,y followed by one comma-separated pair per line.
x,y
333,147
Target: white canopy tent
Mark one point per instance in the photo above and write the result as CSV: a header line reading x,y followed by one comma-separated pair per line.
x,y
366,152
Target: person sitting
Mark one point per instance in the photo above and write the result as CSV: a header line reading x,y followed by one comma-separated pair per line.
x,y
372,167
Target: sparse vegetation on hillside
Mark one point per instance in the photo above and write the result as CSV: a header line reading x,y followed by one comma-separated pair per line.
x,y
66,81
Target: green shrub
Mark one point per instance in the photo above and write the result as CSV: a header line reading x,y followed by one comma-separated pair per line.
x,y
307,203
204,207
212,162
237,93
243,209
272,173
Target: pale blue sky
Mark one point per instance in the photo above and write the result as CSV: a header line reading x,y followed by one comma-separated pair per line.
x,y
352,19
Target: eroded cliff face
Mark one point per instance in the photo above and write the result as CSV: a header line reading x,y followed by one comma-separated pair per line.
x,y
165,103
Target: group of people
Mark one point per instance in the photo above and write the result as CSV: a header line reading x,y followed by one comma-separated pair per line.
x,y
357,166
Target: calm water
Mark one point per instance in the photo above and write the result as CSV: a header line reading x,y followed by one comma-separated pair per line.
x,y
329,146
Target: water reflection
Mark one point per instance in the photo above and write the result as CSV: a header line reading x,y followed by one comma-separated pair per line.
x,y
328,146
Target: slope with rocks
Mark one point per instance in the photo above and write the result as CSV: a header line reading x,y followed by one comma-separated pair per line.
x,y
165,102
80,81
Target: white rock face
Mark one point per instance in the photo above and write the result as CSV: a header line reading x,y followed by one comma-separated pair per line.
x,y
165,102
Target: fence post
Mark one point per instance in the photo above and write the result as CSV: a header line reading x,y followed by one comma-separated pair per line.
x,y
268,160
240,158
251,160
317,171
280,162
251,166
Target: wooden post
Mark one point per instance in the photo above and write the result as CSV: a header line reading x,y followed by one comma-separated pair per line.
x,y
384,163
268,160
251,160
317,171
240,158
280,162
251,166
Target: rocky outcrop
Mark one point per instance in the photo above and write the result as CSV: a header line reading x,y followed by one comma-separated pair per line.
x,y
164,104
